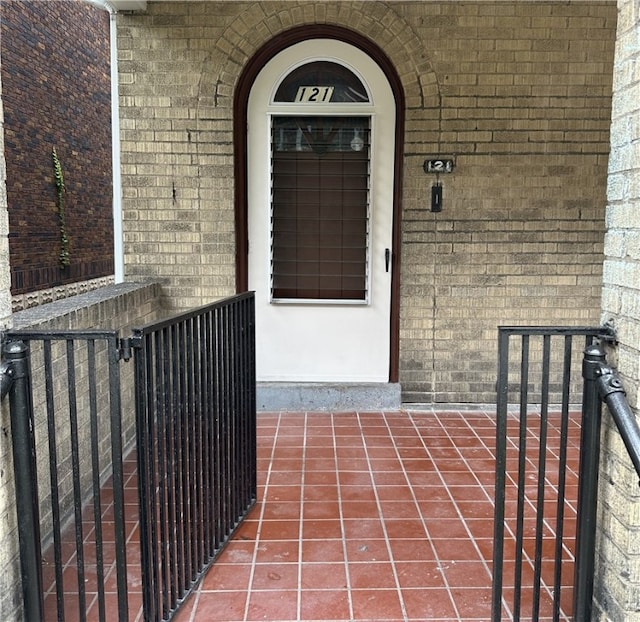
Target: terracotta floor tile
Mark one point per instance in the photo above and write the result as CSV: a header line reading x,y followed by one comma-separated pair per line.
x,y
280,530
456,549
480,527
319,493
320,509
411,550
405,528
472,603
325,605
431,492
323,576
428,604
461,573
282,493
447,528
390,478
395,493
284,477
355,478
443,508
217,606
363,528
371,575
277,551
325,478
237,551
416,574
282,511
357,493
359,509
399,510
321,529
476,509
367,550
269,605
275,577
385,464
227,577
376,605
322,550
381,452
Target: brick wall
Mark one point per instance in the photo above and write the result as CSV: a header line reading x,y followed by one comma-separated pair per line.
x,y
617,582
5,297
518,92
56,94
9,584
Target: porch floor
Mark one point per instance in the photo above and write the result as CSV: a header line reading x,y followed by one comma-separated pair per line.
x,y
364,516
377,516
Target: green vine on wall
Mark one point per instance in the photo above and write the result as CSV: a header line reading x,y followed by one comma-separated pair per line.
x,y
64,240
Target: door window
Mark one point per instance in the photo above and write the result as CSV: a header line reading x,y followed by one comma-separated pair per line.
x,y
320,208
320,181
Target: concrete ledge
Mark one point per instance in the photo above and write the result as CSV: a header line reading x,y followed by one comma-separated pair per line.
x,y
115,306
327,396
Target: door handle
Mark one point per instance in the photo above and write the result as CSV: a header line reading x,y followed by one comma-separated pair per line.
x,y
387,259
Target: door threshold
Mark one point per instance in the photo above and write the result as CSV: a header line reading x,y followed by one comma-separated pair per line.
x,y
327,396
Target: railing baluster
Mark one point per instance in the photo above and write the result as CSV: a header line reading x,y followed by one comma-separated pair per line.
x,y
116,438
500,480
522,463
587,485
77,490
53,478
25,471
95,471
542,466
562,469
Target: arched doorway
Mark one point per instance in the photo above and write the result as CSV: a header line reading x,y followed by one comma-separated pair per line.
x,y
317,204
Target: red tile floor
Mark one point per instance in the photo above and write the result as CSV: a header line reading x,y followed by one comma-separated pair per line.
x,y
383,516
377,516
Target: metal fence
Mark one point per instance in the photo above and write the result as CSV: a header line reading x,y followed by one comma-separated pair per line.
x,y
194,441
539,424
67,451
195,404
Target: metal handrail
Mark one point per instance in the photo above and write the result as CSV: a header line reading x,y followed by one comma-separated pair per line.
x,y
612,392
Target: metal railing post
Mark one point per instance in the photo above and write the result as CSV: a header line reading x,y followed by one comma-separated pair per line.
x,y
592,363
26,482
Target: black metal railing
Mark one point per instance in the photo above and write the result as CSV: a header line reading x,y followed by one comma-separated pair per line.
x,y
601,384
193,432
65,407
196,405
537,446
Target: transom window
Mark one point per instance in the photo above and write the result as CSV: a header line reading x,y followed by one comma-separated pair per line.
x,y
322,82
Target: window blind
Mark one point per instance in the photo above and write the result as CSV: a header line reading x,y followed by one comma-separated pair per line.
x,y
320,208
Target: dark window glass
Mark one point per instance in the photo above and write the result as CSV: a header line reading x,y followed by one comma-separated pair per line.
x,y
320,207
332,83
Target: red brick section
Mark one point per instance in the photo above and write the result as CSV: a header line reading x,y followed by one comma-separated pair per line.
x,y
56,93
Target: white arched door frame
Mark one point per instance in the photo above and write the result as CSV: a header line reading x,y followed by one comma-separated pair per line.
x,y
322,341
